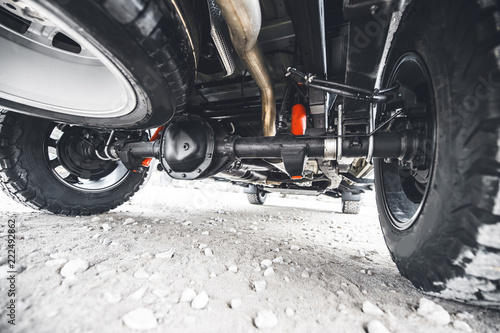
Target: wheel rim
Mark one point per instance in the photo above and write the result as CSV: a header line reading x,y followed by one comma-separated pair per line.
x,y
70,155
405,186
46,64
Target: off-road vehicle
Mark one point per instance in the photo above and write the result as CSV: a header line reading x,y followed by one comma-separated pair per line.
x,y
298,96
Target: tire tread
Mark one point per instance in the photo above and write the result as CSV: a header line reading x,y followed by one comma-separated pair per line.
x,y
17,183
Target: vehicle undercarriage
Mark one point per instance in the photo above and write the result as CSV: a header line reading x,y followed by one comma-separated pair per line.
x,y
304,97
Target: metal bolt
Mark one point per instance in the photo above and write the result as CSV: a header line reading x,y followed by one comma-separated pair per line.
x,y
374,9
169,171
186,146
183,175
199,170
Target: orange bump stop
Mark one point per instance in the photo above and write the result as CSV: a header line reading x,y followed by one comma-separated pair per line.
x,y
299,119
155,137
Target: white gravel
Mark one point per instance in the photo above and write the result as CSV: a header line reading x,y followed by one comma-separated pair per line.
x,y
112,298
140,319
259,285
376,326
278,260
74,266
235,303
188,295
56,263
164,255
153,258
266,319
372,309
266,263
141,274
269,272
128,221
433,312
200,301
138,294
461,326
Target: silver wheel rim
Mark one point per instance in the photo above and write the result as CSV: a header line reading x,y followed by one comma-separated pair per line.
x,y
110,181
50,66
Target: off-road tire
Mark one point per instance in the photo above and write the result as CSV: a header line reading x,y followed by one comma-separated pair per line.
x,y
26,177
148,42
258,198
350,207
452,249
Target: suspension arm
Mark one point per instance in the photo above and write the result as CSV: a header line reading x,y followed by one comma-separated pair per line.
x,y
341,89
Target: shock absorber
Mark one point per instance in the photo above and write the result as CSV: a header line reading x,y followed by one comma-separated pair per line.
x,y
299,119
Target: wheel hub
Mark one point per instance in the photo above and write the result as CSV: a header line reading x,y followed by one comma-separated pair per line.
x,y
76,152
405,182
70,153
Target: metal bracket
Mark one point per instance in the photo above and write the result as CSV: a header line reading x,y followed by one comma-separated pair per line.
x,y
294,160
220,35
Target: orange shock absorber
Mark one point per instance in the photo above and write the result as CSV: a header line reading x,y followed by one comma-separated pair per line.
x,y
155,137
299,119
299,123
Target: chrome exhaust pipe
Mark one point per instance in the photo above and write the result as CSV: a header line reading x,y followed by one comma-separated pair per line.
x,y
244,20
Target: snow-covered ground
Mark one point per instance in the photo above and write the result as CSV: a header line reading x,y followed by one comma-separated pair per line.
x,y
180,259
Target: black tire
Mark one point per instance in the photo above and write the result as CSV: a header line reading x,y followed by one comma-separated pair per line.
x,y
444,234
148,42
258,198
26,175
350,207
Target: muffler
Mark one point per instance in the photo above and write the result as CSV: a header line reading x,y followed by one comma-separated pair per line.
x,y
243,18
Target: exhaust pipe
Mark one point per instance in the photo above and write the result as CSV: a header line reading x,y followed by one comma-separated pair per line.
x,y
244,19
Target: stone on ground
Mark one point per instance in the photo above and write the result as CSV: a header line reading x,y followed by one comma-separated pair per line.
x,y
433,312
74,266
372,309
140,319
200,301
376,326
265,319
